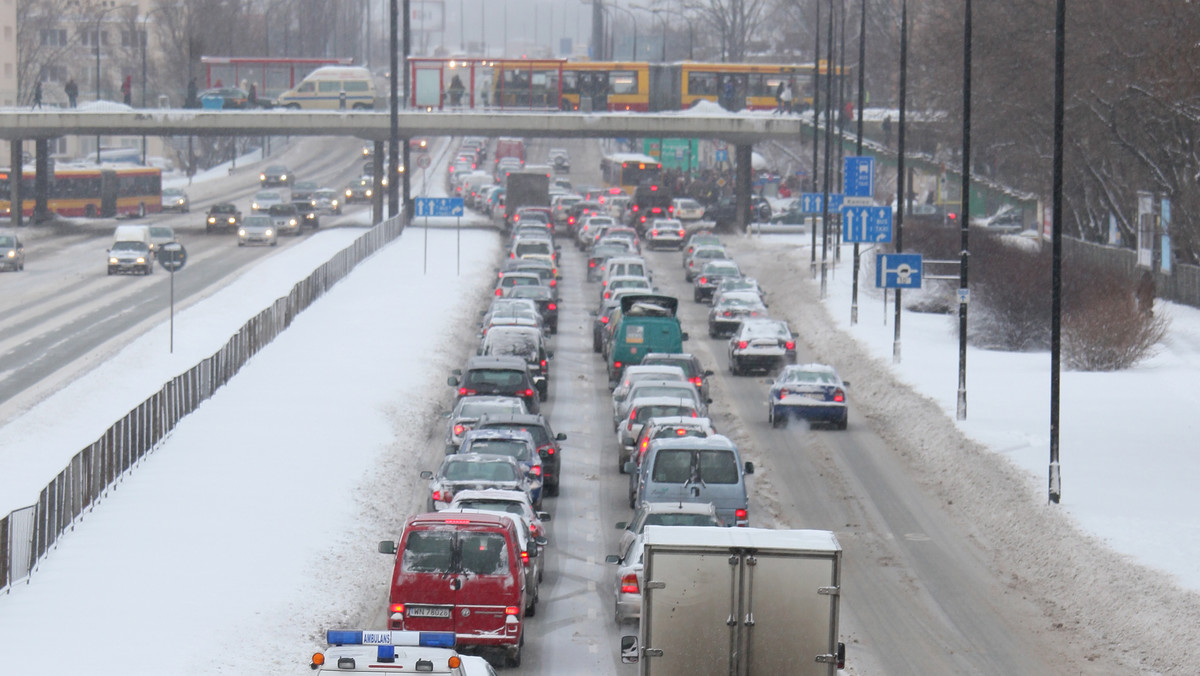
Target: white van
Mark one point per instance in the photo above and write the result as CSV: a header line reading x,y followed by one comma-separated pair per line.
x,y
325,87
133,233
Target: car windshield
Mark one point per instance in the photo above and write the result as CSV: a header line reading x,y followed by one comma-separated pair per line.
x,y
479,471
524,248
475,409
448,551
128,246
645,413
669,519
265,196
502,506
661,391
539,434
223,209
513,448
764,330
677,466
686,364
172,192
326,194
505,378
257,222
430,551
512,344
534,292
814,377
6,241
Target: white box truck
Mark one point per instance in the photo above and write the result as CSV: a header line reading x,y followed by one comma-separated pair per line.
x,y
738,601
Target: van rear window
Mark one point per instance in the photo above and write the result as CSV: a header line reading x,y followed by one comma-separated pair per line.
x,y
428,552
484,553
448,551
710,466
634,333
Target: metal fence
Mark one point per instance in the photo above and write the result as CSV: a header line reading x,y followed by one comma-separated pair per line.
x,y
26,534
1181,286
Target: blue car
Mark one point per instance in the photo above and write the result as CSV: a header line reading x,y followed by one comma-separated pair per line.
x,y
812,392
516,444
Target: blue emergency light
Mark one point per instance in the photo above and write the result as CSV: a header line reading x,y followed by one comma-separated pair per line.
x,y
390,639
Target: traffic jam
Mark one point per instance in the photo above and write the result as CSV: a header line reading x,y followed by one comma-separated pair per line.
x,y
468,570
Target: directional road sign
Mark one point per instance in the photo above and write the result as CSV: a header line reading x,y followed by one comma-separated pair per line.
x,y
423,161
810,202
866,224
858,176
438,206
898,271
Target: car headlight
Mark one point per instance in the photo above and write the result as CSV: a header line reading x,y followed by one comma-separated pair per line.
x,y
113,261
369,192
349,192
262,177
212,220
141,259
232,220
283,177
241,232
254,205
12,253
269,232
334,203
291,221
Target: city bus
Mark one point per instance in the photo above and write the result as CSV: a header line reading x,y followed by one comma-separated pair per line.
x,y
103,191
606,86
629,170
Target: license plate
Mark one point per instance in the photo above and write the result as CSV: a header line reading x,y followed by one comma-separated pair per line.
x,y
418,611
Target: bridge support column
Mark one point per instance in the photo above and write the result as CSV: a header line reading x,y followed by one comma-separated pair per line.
x,y
377,169
15,161
741,184
41,182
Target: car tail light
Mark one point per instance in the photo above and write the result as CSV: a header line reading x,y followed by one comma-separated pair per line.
x,y
681,233
839,396
543,364
465,391
398,608
604,319
632,415
616,364
741,343
546,450
727,313
512,610
437,496
607,295
513,254
552,306
591,264
654,232
743,517
525,558
499,292
527,393
790,345
704,280
635,207
697,381
553,283
459,429
536,470
629,584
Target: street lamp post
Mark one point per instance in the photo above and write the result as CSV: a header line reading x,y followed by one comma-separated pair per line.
x,y
145,39
633,19
662,55
105,7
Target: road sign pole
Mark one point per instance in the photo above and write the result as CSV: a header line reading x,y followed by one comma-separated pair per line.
x,y
172,349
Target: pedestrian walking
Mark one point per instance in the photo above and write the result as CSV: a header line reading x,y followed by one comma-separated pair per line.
x,y
786,99
887,131
72,91
127,90
37,95
727,93
252,96
779,108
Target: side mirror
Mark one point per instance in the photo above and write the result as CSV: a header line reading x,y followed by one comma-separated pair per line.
x,y
845,384
561,436
683,336
749,467
549,354
612,558
447,414
708,401
630,467
622,525
533,551
544,516
707,373
426,474
629,650
541,541
387,547
452,381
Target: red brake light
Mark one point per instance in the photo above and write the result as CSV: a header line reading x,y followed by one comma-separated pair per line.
x,y
607,295
696,381
742,344
839,396
741,514
397,607
591,263
604,319
459,429
616,364
681,233
635,207
679,431
525,558
512,610
654,232
499,292
554,282
791,345
704,280
464,391
458,522
629,584
552,306
437,496
528,393
536,470
543,363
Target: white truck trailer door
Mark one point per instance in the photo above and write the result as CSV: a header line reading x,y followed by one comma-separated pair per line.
x,y
789,613
688,618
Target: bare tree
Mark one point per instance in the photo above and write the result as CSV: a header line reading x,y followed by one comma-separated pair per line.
x,y
738,22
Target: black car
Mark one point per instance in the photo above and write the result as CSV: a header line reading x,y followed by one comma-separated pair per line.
x,y
507,376
545,438
304,190
724,212
308,210
223,216
275,175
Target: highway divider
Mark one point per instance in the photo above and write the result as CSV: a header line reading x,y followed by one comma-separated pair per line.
x,y
26,534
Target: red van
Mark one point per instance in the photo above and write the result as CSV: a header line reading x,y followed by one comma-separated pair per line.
x,y
507,146
463,573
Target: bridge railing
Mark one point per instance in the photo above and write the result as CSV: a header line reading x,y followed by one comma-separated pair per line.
x,y
26,534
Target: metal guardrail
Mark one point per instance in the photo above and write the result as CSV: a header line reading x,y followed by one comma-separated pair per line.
x,y
26,534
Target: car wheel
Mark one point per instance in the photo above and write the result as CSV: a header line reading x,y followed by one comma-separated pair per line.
x,y
734,368
274,242
241,244
696,296
773,418
596,345
531,609
513,658
110,273
843,423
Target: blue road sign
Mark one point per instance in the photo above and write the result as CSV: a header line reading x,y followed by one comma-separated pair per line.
x,y
858,176
438,206
898,271
721,155
866,224
811,202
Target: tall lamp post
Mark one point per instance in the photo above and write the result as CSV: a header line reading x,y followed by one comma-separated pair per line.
x,y
145,39
662,56
105,8
691,30
632,18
